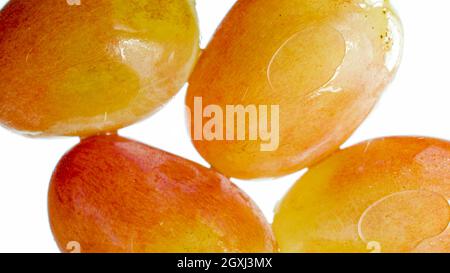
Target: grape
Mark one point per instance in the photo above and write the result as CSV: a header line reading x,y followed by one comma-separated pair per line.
x,y
77,68
324,63
384,195
111,194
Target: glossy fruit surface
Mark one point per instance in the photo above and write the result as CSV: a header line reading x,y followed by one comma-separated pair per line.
x,y
385,195
111,194
323,62
70,67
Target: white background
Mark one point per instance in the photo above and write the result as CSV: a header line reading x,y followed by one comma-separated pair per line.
x,y
417,103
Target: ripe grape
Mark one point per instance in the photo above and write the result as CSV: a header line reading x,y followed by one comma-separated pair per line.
x,y
384,195
83,67
111,194
325,64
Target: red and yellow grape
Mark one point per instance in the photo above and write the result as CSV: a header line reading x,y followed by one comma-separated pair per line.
x,y
84,67
385,195
325,64
111,194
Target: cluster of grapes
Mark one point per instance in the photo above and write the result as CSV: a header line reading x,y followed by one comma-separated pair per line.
x,y
89,68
